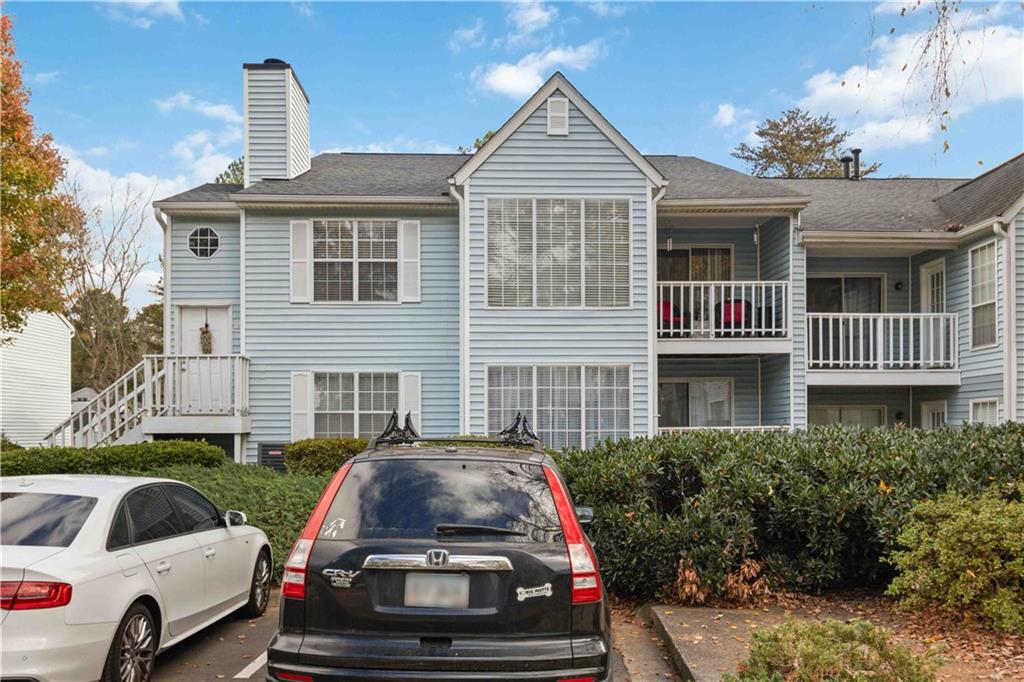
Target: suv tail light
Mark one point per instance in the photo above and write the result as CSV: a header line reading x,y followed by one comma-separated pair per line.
x,y
19,596
293,582
586,581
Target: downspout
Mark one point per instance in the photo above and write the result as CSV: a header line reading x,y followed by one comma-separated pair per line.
x,y
463,307
1004,233
652,329
165,226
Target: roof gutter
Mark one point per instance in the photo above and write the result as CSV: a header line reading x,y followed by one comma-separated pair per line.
x,y
786,202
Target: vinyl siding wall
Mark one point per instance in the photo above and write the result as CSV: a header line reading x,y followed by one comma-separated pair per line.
x,y
775,389
205,280
35,379
773,245
1019,284
282,337
742,370
582,164
981,370
266,153
298,128
798,309
895,399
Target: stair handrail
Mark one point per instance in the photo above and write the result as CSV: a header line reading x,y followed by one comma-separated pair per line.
x,y
101,397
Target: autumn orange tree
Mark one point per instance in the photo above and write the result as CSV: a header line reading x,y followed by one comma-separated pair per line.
x,y
38,219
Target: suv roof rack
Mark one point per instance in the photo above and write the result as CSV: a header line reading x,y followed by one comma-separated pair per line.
x,y
516,434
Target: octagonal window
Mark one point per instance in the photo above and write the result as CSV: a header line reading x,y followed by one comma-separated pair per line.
x,y
203,242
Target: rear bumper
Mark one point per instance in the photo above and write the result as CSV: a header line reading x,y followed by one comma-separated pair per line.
x,y
38,645
330,658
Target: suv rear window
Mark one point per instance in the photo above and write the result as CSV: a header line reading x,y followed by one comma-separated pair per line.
x,y
42,520
409,498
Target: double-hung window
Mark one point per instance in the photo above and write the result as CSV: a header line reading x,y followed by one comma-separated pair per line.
x,y
558,253
348,404
985,411
568,405
983,295
355,260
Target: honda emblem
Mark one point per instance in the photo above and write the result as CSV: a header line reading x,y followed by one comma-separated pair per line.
x,y
437,557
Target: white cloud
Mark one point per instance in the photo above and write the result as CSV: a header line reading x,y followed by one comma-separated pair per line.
x,y
142,13
45,77
396,144
605,9
467,37
305,9
97,151
186,102
201,152
527,18
725,116
886,107
525,76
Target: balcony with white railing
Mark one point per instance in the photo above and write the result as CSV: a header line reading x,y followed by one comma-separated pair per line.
x,y
882,349
164,394
710,317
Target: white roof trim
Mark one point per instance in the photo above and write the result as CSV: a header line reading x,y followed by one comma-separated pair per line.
x,y
246,199
558,82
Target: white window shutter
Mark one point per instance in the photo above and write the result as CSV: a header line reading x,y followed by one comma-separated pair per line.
x,y
302,405
409,244
301,260
409,399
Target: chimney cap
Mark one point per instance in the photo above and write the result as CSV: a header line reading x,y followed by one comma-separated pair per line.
x,y
270,63
274,60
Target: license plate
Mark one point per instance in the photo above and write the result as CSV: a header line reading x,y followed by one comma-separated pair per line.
x,y
437,590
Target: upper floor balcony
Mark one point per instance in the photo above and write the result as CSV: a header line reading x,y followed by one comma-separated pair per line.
x,y
882,349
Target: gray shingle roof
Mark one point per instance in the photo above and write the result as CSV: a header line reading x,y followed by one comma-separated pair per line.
x,y
893,204
986,196
368,175
693,178
211,192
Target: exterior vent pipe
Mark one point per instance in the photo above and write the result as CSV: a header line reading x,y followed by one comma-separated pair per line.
x,y
856,163
846,160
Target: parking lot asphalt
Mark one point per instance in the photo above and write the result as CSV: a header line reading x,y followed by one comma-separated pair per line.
x,y
235,648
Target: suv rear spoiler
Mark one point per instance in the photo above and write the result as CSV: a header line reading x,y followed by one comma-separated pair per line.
x,y
516,434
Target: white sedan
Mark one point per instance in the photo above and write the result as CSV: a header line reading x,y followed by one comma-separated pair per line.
x,y
101,573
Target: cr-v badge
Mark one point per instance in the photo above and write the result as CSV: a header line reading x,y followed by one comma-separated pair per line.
x,y
340,577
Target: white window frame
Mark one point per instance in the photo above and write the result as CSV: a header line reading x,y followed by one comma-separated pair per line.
x,y
702,380
981,401
971,304
928,407
928,269
355,263
532,416
583,253
406,403
554,129
850,406
188,240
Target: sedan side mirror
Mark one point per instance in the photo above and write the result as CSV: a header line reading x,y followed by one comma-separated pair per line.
x,y
235,518
585,515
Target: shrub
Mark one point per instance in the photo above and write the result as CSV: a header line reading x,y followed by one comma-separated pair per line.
x,y
321,455
966,553
815,509
8,444
811,651
278,504
135,458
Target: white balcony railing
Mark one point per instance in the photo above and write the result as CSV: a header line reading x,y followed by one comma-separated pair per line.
x,y
722,309
197,385
881,341
732,429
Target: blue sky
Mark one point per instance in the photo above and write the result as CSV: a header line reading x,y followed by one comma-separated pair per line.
x,y
149,94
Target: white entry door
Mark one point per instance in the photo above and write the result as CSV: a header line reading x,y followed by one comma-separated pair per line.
x,y
933,300
204,383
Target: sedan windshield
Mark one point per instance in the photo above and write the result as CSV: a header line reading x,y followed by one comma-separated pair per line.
x,y
42,520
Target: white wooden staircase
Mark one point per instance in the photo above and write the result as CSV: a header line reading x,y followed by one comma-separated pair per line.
x,y
161,387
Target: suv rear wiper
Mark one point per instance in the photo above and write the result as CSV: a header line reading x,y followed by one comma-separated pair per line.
x,y
472,529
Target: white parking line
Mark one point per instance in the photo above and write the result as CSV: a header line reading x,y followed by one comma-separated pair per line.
x,y
250,670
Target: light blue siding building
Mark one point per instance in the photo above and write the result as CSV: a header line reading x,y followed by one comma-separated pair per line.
x,y
559,273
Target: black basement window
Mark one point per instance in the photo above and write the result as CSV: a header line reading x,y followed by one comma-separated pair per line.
x,y
203,242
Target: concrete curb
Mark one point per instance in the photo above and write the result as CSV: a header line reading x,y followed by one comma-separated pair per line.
x,y
650,614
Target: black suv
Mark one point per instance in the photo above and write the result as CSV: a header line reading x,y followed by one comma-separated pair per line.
x,y
443,561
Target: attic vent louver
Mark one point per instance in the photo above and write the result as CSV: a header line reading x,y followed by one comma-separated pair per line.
x,y
558,116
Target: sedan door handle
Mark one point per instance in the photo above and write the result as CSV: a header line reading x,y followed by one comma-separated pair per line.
x,y
163,567
209,552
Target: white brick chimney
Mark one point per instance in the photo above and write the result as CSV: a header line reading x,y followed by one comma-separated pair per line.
x,y
276,122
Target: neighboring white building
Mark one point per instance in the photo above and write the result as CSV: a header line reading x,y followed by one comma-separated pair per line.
x,y
35,379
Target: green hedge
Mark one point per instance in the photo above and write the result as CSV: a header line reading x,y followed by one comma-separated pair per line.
x,y
966,554
278,504
136,458
814,509
321,455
